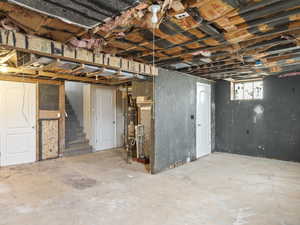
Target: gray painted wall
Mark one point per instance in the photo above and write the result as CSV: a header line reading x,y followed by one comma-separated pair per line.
x,y
175,131
273,134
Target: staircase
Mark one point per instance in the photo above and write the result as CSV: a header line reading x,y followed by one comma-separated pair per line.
x,y
76,141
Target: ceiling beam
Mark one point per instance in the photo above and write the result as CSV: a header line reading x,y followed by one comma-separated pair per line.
x,y
37,73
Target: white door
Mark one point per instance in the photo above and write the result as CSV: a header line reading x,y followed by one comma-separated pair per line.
x,y
203,120
105,116
17,123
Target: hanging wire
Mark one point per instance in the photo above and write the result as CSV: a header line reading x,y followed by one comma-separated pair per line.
x,y
153,77
153,91
153,45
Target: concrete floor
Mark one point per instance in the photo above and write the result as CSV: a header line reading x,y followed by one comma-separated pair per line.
x,y
101,189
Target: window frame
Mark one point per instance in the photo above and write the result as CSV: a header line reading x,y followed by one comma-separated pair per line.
x,y
233,87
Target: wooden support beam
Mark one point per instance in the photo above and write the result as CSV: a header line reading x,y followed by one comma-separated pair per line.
x,y
94,74
26,79
70,77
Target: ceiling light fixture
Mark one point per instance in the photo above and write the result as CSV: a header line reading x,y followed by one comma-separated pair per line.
x,y
154,9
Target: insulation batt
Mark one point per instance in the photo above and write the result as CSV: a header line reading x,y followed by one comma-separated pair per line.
x,y
87,43
203,52
125,19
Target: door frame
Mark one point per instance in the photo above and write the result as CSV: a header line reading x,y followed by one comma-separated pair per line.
x,y
93,116
209,124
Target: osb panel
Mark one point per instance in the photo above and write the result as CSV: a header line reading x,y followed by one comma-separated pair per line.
x,y
186,23
36,23
214,9
211,42
226,24
145,119
135,37
197,33
177,39
238,36
29,21
58,35
194,45
173,50
54,23
49,139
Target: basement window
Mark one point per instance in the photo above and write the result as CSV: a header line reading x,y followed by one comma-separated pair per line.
x,y
247,90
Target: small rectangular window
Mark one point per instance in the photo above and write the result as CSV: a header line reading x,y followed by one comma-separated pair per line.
x,y
247,90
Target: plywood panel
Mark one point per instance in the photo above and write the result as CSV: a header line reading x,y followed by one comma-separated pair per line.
x,y
49,139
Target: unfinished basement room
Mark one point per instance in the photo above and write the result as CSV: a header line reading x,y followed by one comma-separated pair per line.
x,y
150,112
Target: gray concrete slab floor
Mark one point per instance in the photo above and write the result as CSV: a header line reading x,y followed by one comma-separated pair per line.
x,y
101,189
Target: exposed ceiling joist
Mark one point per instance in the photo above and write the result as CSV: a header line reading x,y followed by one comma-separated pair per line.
x,y
35,74
213,35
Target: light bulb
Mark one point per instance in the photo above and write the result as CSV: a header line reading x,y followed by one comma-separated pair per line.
x,y
154,9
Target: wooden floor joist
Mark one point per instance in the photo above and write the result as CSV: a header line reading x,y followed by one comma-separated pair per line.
x,y
240,32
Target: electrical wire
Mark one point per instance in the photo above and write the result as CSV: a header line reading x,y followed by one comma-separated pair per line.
x,y
153,96
153,77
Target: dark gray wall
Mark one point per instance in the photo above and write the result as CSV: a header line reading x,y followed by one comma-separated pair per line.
x,y
174,130
275,133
